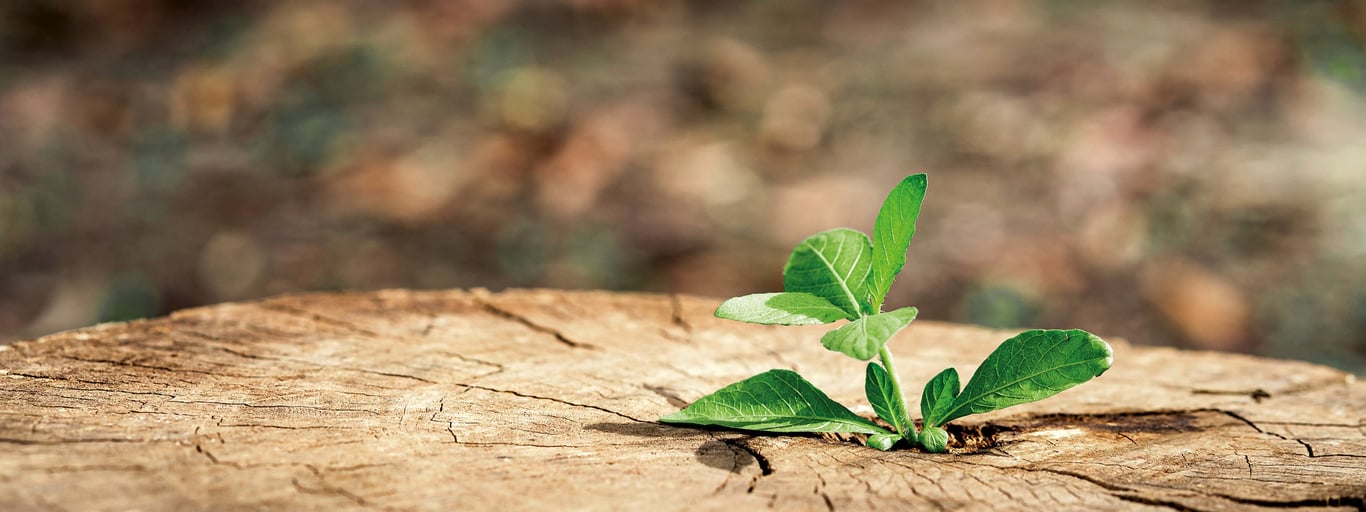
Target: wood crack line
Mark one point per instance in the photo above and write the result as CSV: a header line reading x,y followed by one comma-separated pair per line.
x,y
326,489
676,313
1308,448
316,317
552,399
274,406
742,445
1135,496
263,357
559,336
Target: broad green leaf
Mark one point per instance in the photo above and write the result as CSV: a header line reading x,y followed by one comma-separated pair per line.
x,y
781,309
883,442
938,395
935,439
892,234
863,338
1031,366
773,401
832,265
886,401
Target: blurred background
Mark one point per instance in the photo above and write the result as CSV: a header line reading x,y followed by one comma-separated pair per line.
x,y
1178,173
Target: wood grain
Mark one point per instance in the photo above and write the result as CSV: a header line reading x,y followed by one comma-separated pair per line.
x,y
531,400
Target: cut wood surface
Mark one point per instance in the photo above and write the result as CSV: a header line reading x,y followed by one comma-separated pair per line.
x,y
533,400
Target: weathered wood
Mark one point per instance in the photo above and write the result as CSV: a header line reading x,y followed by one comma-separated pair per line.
x,y
548,400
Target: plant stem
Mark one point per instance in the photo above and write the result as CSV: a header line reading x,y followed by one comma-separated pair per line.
x,y
887,364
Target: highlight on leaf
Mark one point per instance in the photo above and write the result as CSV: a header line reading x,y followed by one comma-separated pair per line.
x,y
786,308
892,234
774,401
1031,366
862,339
886,400
833,265
939,394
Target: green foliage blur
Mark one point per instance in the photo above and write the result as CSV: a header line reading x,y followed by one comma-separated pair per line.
x,y
1179,173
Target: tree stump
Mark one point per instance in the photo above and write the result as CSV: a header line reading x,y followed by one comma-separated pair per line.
x,y
549,399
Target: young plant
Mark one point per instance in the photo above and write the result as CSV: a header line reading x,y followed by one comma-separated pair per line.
x,y
843,275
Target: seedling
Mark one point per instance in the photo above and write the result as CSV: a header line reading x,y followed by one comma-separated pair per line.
x,y
843,275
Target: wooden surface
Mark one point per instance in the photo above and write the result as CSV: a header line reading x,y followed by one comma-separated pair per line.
x,y
548,400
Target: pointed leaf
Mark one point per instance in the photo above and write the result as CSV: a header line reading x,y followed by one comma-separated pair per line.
x,y
863,338
937,398
892,233
781,309
832,265
773,401
885,399
1031,366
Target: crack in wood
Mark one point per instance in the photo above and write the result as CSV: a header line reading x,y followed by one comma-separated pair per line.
x,y
516,444
498,367
200,449
450,424
1134,495
327,490
278,307
552,399
79,440
676,314
272,406
509,315
1105,421
743,445
168,369
1257,395
1308,448
1117,491
286,427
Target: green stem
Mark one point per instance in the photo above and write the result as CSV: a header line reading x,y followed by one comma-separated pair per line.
x,y
886,355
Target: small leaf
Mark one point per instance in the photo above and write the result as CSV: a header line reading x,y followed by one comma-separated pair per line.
x,y
892,233
882,442
886,401
863,338
773,401
935,439
1031,366
781,309
832,265
938,395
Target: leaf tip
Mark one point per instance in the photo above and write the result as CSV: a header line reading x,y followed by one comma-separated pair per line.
x,y
1104,347
675,417
1109,357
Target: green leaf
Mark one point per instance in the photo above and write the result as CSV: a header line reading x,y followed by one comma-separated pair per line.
x,y
892,234
882,442
935,439
781,309
1031,366
939,393
773,401
832,265
863,338
886,401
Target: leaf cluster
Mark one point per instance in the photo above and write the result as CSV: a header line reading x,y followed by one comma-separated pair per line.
x,y
843,275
